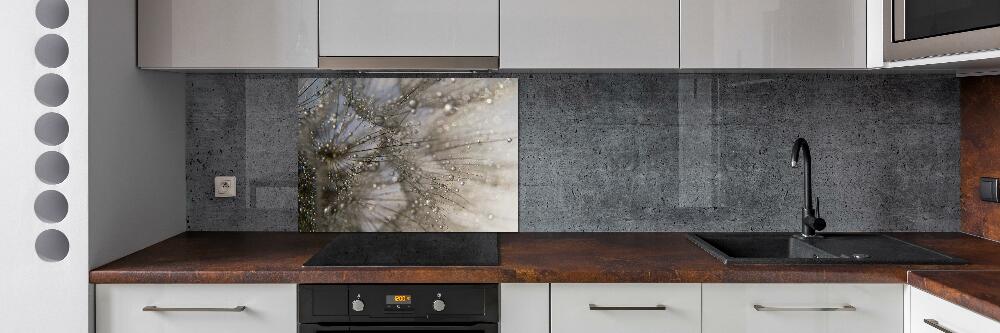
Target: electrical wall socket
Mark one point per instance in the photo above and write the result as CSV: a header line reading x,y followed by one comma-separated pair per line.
x,y
225,187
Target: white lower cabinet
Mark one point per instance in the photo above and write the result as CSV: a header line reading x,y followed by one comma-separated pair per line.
x,y
569,308
201,308
930,314
524,308
625,307
802,308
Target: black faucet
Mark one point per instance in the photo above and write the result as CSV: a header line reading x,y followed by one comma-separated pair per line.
x,y
810,221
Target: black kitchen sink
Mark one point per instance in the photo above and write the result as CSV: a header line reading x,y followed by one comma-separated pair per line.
x,y
832,248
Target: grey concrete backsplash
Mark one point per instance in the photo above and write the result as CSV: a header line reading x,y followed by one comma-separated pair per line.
x,y
639,152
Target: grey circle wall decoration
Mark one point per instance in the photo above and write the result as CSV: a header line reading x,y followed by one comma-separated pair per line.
x,y
51,51
52,129
51,90
51,206
52,13
52,245
52,167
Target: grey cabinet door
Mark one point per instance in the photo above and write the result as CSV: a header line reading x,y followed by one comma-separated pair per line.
x,y
408,28
589,34
192,34
774,34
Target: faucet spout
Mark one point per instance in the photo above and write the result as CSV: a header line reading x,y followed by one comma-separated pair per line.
x,y
810,222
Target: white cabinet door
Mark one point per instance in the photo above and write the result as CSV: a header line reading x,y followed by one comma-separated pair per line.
x,y
589,34
409,28
625,308
802,308
773,34
270,308
227,33
524,308
927,310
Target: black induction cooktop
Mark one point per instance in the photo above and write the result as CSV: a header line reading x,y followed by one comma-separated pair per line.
x,y
409,249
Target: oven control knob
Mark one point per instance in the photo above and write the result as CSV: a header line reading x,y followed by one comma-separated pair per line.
x,y
358,305
438,305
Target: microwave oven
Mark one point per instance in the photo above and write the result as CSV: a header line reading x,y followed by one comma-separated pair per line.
x,y
915,29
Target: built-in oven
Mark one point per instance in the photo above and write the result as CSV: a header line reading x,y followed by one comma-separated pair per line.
x,y
385,308
928,28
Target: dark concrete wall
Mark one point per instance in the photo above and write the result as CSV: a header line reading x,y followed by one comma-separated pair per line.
x,y
641,152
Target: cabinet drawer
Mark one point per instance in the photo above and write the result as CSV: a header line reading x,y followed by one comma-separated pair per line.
x,y
946,315
622,307
269,308
802,308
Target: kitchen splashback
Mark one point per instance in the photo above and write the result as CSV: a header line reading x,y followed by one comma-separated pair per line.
x,y
638,152
407,154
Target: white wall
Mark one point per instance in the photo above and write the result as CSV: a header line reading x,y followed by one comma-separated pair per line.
x,y
137,186
125,150
38,295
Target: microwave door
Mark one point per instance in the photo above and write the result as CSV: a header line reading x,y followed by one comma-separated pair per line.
x,y
916,29
916,19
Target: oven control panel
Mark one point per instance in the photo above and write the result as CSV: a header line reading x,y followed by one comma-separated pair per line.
x,y
398,303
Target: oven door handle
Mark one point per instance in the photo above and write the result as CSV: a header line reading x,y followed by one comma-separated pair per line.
x,y
485,328
482,327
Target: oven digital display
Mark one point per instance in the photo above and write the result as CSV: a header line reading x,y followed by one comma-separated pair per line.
x,y
398,299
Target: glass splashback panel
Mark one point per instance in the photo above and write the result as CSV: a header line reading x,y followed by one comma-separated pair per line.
x,y
408,154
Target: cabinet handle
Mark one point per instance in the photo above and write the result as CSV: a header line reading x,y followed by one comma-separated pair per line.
x,y
154,308
657,307
935,324
759,307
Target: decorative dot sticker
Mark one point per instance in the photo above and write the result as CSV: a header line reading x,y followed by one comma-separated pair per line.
x,y
51,51
52,245
51,129
51,206
51,90
52,167
52,13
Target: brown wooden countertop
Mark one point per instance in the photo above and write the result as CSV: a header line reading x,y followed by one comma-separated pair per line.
x,y
978,291
272,257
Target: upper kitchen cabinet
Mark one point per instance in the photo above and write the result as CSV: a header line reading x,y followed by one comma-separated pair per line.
x,y
780,34
589,34
408,34
214,34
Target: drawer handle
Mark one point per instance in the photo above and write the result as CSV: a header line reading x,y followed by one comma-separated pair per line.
x,y
154,308
595,307
759,307
935,324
